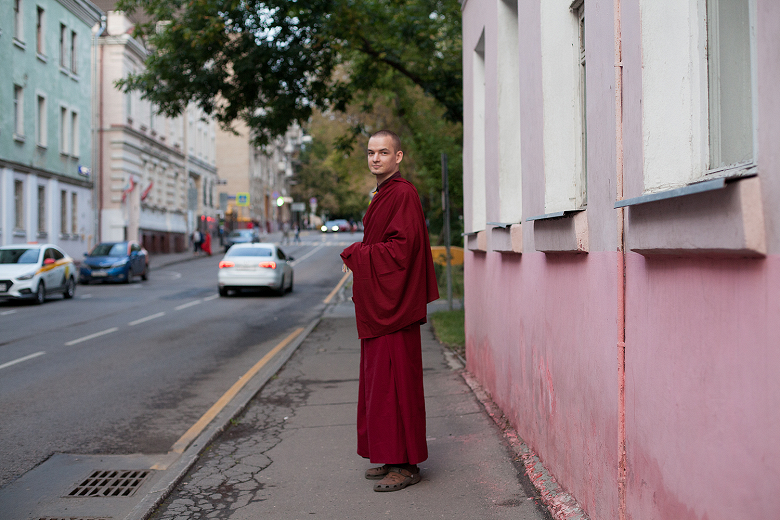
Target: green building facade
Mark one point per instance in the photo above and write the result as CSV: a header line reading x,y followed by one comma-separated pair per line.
x,y
46,109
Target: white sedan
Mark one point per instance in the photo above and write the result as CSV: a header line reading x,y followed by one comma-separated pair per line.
x,y
252,266
35,271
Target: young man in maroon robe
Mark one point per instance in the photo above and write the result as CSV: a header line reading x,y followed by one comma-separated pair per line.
x,y
393,281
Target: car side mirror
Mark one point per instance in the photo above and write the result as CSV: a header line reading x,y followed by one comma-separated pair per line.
x,y
290,258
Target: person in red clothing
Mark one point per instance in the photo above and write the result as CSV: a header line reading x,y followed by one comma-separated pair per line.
x,y
206,245
393,281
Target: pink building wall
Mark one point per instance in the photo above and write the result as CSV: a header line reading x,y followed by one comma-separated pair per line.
x,y
702,355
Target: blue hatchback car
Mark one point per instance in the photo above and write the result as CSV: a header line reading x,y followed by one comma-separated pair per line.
x,y
116,262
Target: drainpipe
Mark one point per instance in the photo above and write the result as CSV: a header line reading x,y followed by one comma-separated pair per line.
x,y
621,260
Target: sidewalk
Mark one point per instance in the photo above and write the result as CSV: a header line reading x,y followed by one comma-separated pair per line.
x,y
291,454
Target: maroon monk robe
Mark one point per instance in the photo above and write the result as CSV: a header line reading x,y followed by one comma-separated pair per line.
x,y
393,282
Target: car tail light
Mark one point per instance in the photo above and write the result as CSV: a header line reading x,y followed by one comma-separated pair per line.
x,y
226,263
269,265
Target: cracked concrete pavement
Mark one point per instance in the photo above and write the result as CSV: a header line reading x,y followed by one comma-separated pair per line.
x,y
291,454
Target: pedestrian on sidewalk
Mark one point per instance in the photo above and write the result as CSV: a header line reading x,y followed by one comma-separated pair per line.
x,y
206,246
394,280
196,239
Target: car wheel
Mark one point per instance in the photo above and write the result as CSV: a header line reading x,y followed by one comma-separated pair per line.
x,y
145,273
40,294
281,290
223,291
70,289
128,275
290,289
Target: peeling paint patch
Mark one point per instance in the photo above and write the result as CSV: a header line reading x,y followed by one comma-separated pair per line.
x,y
561,504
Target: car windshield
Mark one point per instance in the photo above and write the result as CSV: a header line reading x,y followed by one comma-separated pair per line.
x,y
249,251
109,250
19,256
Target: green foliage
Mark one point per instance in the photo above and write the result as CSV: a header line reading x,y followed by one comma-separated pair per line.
x,y
272,62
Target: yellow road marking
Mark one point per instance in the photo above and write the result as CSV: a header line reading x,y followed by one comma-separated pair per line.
x,y
207,417
336,289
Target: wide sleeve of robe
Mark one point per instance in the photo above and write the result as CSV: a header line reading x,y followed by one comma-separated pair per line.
x,y
393,275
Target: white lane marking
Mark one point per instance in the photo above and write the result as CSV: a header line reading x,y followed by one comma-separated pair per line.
x,y
85,296
148,318
25,358
6,313
92,336
307,255
212,297
184,306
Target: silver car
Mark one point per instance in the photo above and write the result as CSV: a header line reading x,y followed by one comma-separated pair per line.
x,y
253,266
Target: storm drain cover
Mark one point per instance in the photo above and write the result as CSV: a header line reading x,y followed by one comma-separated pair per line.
x,y
111,483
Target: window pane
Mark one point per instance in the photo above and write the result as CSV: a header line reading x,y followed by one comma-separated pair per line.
x,y
74,133
63,46
18,110
74,206
19,204
41,209
730,83
64,212
39,32
73,53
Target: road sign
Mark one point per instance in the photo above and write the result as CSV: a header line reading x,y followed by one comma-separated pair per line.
x,y
242,199
298,206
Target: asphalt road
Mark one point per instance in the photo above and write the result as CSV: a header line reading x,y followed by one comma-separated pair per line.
x,y
129,368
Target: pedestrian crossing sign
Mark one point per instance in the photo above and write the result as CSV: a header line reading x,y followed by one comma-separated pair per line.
x,y
242,199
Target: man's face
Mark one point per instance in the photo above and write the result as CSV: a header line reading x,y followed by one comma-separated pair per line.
x,y
383,159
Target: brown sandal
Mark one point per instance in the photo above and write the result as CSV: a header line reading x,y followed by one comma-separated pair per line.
x,y
378,472
397,479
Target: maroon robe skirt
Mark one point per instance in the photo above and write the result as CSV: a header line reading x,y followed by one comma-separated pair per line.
x,y
391,404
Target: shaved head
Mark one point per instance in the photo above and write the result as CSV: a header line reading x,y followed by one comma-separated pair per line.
x,y
393,137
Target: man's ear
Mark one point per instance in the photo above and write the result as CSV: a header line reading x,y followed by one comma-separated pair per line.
x,y
399,156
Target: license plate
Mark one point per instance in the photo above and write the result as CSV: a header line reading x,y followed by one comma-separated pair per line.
x,y
99,273
3,287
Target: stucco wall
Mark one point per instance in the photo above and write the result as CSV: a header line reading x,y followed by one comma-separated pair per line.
x,y
702,334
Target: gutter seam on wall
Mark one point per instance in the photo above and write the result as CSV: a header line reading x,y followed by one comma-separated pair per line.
x,y
621,271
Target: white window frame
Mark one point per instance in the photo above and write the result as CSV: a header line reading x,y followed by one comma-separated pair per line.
x,y
19,204
75,143
41,126
63,46
715,115
18,112
74,54
478,151
41,210
65,138
18,21
63,212
40,31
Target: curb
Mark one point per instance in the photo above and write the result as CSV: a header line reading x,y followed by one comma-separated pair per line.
x,y
178,470
561,504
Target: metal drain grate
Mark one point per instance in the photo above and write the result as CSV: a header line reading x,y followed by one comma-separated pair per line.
x,y
111,483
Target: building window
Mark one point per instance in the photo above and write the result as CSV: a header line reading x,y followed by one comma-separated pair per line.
x,y
64,137
73,53
39,33
74,134
19,204
74,219
578,8
64,212
40,122
730,47
18,20
18,111
41,210
63,46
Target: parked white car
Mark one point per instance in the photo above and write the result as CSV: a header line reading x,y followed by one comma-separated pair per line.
x,y
35,271
253,266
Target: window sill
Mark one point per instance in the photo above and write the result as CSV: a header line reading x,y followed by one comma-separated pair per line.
x,y
506,237
19,43
42,234
19,233
476,241
41,146
42,57
561,232
716,217
19,138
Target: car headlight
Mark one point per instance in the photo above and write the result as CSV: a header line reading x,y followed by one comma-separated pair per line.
x,y
27,276
323,228
335,228
119,263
